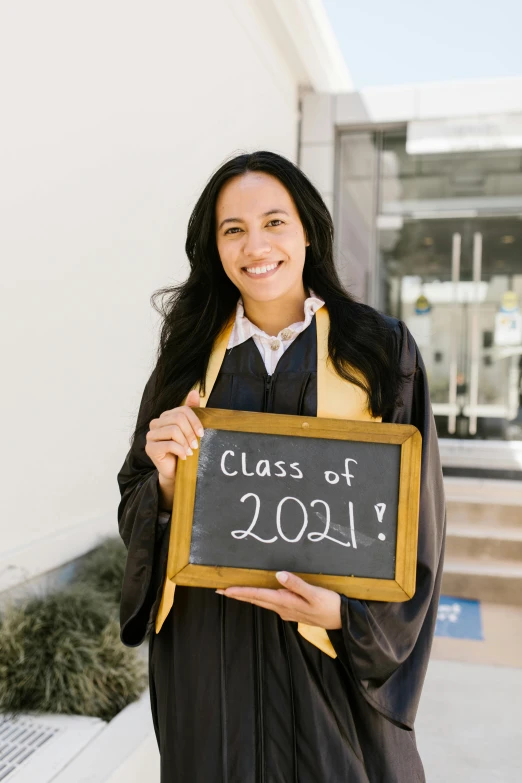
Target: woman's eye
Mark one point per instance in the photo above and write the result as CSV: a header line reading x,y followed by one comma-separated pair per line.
x,y
234,229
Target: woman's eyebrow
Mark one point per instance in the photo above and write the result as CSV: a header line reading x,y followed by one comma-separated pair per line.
x,y
265,214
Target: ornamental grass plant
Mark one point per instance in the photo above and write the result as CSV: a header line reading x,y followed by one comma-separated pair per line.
x,y
62,653
103,569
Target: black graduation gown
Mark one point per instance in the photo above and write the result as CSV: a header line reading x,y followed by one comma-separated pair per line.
x,y
237,695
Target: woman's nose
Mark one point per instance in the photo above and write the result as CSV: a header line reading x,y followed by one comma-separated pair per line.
x,y
256,245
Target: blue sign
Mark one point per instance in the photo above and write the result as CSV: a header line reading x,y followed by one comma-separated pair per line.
x,y
459,618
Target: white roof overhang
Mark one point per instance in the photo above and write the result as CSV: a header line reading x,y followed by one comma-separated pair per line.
x,y
303,31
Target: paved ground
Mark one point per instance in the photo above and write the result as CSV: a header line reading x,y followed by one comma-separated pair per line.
x,y
502,643
469,726
469,730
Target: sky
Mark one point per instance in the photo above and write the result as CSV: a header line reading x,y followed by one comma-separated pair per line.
x,y
411,41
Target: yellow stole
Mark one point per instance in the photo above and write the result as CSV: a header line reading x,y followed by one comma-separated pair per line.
x,y
336,399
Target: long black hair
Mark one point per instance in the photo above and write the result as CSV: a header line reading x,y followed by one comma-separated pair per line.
x,y
360,343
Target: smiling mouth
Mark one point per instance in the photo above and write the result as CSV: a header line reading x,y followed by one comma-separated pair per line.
x,y
262,270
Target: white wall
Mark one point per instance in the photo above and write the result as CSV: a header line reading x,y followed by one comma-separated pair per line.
x,y
114,114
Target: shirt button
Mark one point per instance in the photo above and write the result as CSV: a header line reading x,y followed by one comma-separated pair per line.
x,y
286,334
275,345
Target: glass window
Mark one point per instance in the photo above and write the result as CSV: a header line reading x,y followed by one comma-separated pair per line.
x,y
436,240
471,181
357,207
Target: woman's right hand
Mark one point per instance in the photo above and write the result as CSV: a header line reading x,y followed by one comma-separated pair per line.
x,y
174,434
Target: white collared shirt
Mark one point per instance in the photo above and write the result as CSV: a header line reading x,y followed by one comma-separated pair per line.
x,y
271,348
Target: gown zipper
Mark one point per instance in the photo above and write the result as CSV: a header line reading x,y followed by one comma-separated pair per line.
x,y
268,392
259,636
224,732
267,408
259,695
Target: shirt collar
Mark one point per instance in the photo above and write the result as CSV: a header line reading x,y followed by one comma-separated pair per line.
x,y
244,328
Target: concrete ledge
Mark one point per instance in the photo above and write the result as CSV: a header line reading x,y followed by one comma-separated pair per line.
x,y
36,746
124,752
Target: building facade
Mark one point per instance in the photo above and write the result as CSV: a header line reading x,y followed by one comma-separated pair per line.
x,y
113,120
425,185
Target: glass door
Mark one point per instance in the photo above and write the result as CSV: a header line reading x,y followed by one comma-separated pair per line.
x,y
457,283
435,238
491,404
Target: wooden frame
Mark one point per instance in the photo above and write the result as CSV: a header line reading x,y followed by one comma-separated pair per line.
x,y
180,571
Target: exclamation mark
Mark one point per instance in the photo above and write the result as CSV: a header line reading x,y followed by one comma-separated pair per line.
x,y
380,509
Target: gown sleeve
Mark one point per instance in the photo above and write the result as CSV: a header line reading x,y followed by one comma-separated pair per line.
x,y
144,528
385,646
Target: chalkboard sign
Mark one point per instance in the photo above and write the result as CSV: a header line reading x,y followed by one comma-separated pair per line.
x,y
333,501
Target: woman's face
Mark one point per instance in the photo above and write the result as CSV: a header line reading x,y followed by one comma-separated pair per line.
x,y
260,238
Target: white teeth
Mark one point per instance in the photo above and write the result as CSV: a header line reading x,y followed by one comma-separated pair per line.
x,y
260,270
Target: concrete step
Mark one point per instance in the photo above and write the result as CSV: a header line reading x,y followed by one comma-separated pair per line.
x,y
474,490
486,579
484,515
483,502
481,542
484,540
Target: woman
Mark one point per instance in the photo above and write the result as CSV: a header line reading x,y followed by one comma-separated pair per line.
x,y
240,692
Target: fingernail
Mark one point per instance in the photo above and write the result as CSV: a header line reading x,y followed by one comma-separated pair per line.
x,y
194,444
200,432
183,456
220,592
282,576
189,452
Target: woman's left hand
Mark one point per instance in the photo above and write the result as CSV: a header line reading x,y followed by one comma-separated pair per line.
x,y
298,602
